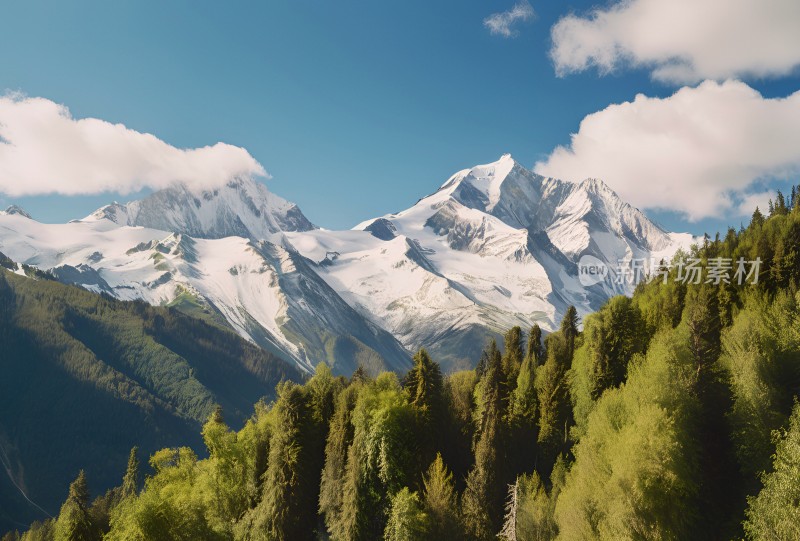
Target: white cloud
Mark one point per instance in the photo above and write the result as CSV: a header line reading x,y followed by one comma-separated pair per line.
x,y
502,23
683,41
749,203
43,149
703,151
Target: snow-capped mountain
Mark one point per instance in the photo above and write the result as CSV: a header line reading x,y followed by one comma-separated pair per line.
x,y
268,293
495,246
241,208
14,209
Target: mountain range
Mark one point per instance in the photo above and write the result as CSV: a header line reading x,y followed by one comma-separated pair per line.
x,y
495,246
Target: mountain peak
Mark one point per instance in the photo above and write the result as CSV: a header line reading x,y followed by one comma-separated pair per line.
x,y
596,185
19,211
243,207
496,170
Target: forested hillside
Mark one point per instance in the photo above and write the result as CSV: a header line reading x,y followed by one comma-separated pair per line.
x,y
671,415
84,377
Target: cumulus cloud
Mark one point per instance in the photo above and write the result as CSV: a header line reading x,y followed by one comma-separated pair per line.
x,y
704,151
43,150
502,23
683,41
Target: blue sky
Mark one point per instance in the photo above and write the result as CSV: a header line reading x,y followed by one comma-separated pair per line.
x,y
356,109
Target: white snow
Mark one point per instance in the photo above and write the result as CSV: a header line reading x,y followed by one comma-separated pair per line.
x,y
495,246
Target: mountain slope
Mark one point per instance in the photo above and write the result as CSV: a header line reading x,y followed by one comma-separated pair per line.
x,y
263,289
85,377
495,246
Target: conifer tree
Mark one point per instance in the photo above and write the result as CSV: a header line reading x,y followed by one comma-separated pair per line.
x,y
340,437
786,263
425,387
613,335
288,508
74,521
323,389
535,345
524,401
780,204
721,480
523,414
758,218
484,495
360,375
130,482
440,503
513,356
569,329
704,325
555,412
380,461
407,521
460,390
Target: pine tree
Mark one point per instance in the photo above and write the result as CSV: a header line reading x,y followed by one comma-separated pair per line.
x,y
757,219
484,496
535,515
524,401
440,503
786,262
407,521
780,204
555,412
569,329
523,413
360,375
425,387
704,327
535,345
340,438
74,521
612,336
288,508
460,390
380,461
130,482
513,356
721,481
